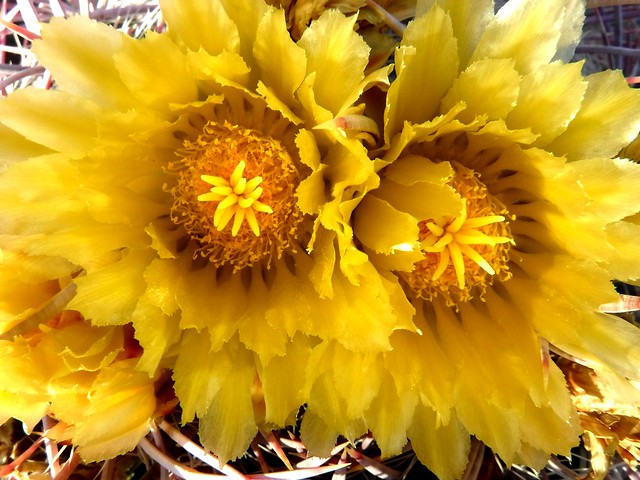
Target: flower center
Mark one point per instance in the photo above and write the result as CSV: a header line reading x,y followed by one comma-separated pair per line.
x,y
235,195
463,253
237,198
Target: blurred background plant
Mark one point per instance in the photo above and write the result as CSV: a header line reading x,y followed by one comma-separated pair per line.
x,y
610,449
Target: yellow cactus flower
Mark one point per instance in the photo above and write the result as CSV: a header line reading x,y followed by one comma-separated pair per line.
x,y
57,364
198,184
504,215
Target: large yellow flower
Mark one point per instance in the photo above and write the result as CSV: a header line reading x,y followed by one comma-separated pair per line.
x,y
502,213
198,184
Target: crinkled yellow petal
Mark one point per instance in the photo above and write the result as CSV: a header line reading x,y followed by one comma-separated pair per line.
x,y
228,69
314,114
488,86
53,118
526,30
623,238
26,408
119,393
282,63
82,347
428,55
419,362
15,148
59,202
399,235
267,340
18,290
142,62
33,270
571,29
198,373
329,405
324,256
469,20
275,103
421,200
572,321
349,313
552,427
105,287
90,250
357,379
612,186
318,437
246,14
550,96
155,331
197,292
606,122
79,53
283,379
197,25
228,426
443,448
412,169
390,416
337,55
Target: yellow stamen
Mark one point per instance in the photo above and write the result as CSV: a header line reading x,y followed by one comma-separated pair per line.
x,y
237,197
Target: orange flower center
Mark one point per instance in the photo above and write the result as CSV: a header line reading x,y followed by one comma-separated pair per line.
x,y
235,195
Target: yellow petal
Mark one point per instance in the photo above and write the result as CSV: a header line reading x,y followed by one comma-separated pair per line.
x,y
198,291
550,97
228,426
142,63
390,416
317,436
204,25
411,169
104,287
571,30
118,393
623,238
199,373
15,148
488,86
26,408
282,63
527,31
337,55
384,229
155,331
282,381
606,122
442,448
469,20
267,340
421,200
79,52
428,55
246,14
612,186
52,118
224,69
